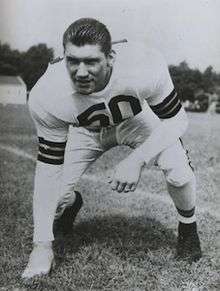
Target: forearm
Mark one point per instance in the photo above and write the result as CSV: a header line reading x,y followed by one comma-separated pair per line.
x,y
46,195
167,133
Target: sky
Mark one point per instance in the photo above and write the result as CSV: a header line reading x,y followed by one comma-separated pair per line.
x,y
181,30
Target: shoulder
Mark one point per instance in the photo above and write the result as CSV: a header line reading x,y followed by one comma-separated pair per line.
x,y
143,66
51,94
137,56
53,83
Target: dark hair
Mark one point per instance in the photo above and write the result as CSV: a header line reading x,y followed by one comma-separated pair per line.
x,y
88,31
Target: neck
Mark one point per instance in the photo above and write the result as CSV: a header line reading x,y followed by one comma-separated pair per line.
x,y
107,79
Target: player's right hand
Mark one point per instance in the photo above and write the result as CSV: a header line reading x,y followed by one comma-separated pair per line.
x,y
126,176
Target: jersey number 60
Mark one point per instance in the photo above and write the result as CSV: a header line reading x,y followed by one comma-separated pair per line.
x,y
85,118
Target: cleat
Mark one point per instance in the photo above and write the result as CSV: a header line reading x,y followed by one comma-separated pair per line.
x,y
188,244
41,261
64,223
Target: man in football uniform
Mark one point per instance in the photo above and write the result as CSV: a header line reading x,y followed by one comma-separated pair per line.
x,y
90,101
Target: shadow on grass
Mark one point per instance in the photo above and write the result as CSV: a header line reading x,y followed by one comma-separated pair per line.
x,y
125,236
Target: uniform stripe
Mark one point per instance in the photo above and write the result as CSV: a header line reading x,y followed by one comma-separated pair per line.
x,y
169,107
49,160
172,112
52,143
186,220
165,101
51,152
186,213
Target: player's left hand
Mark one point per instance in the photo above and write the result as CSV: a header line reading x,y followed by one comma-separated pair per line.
x,y
126,175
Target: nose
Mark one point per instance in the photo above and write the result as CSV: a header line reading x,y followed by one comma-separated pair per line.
x,y
82,71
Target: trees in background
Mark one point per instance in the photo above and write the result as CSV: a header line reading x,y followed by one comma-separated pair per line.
x,y
189,81
10,60
30,65
35,62
197,89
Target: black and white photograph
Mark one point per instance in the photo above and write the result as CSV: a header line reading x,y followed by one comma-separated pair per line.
x,y
109,145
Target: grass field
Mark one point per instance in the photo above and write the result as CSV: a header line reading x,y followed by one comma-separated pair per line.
x,y
119,241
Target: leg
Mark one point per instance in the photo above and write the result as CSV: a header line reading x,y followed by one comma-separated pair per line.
x,y
180,181
184,197
82,148
180,195
81,151
44,207
181,186
66,214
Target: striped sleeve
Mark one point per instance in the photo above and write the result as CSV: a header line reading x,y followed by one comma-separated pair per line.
x,y
51,152
160,93
51,132
169,107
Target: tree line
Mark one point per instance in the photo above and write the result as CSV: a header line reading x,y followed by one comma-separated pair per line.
x,y
30,65
188,82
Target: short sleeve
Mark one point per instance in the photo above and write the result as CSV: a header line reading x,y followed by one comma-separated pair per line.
x,y
162,84
160,92
52,134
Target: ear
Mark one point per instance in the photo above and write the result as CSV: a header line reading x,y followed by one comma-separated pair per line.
x,y
111,58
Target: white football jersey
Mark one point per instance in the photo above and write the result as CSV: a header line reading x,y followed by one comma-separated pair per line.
x,y
140,79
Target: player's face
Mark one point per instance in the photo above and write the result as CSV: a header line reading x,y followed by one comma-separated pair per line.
x,y
88,67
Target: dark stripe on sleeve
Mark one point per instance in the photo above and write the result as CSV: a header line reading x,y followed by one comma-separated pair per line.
x,y
51,143
170,106
51,152
49,160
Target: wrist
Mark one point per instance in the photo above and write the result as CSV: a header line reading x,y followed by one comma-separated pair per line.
x,y
136,159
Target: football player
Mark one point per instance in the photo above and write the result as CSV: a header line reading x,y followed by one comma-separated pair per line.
x,y
93,99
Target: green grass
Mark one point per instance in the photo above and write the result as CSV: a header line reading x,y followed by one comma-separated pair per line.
x,y
119,241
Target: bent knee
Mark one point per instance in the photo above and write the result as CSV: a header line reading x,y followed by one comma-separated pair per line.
x,y
179,177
